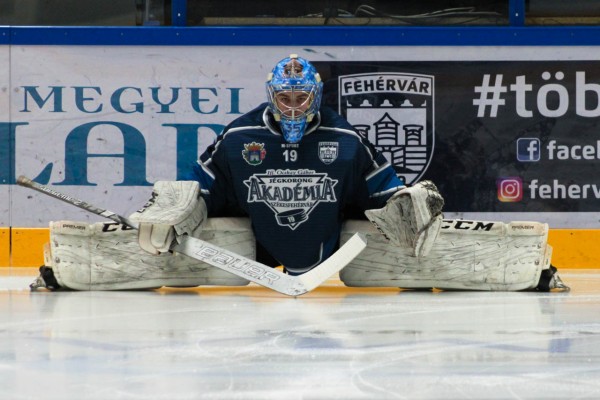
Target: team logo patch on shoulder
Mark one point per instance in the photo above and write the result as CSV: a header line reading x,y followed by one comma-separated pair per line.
x,y
254,153
291,194
328,151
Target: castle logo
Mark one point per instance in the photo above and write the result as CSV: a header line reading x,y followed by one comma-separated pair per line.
x,y
395,112
328,151
254,153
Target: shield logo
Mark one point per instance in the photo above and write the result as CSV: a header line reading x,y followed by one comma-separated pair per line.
x,y
395,112
254,153
328,151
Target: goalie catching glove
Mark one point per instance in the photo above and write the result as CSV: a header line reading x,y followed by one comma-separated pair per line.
x,y
411,218
175,209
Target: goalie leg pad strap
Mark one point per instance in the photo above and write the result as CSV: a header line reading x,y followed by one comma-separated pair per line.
x,y
471,255
106,256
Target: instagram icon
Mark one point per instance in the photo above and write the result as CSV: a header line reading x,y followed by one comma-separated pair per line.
x,y
510,189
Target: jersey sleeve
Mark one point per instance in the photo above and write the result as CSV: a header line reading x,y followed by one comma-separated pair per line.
x,y
374,179
212,173
379,177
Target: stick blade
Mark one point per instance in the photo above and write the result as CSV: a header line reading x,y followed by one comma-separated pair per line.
x,y
338,260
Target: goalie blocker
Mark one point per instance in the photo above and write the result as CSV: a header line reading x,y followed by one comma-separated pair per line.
x,y
467,255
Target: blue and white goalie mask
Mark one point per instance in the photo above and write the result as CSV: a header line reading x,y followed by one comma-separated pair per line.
x,y
294,89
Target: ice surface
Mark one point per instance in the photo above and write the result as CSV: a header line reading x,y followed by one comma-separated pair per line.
x,y
333,343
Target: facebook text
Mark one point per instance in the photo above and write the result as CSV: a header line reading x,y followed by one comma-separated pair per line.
x,y
530,149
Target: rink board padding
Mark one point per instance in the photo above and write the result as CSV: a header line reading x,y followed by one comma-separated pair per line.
x,y
4,247
575,248
26,247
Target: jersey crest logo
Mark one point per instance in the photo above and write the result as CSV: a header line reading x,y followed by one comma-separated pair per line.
x,y
394,111
291,194
328,151
254,153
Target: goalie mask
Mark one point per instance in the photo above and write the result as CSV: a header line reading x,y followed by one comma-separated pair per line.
x,y
294,91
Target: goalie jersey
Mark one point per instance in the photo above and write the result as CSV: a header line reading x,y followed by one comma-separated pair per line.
x,y
296,195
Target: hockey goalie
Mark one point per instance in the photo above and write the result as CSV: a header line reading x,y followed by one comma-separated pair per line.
x,y
287,184
409,246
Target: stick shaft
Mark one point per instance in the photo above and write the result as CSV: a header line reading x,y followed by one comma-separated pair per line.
x,y
26,182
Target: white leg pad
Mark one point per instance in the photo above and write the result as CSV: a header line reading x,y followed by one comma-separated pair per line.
x,y
467,255
104,256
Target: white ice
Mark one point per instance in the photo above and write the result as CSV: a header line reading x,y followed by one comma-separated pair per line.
x,y
333,343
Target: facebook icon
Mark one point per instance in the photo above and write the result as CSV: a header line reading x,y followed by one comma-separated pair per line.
x,y
528,149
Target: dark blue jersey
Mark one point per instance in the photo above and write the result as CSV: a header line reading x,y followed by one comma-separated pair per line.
x,y
295,194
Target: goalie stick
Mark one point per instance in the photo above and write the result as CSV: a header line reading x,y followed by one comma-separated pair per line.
x,y
227,260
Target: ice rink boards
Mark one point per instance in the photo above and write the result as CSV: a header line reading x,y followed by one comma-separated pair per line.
x,y
333,343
